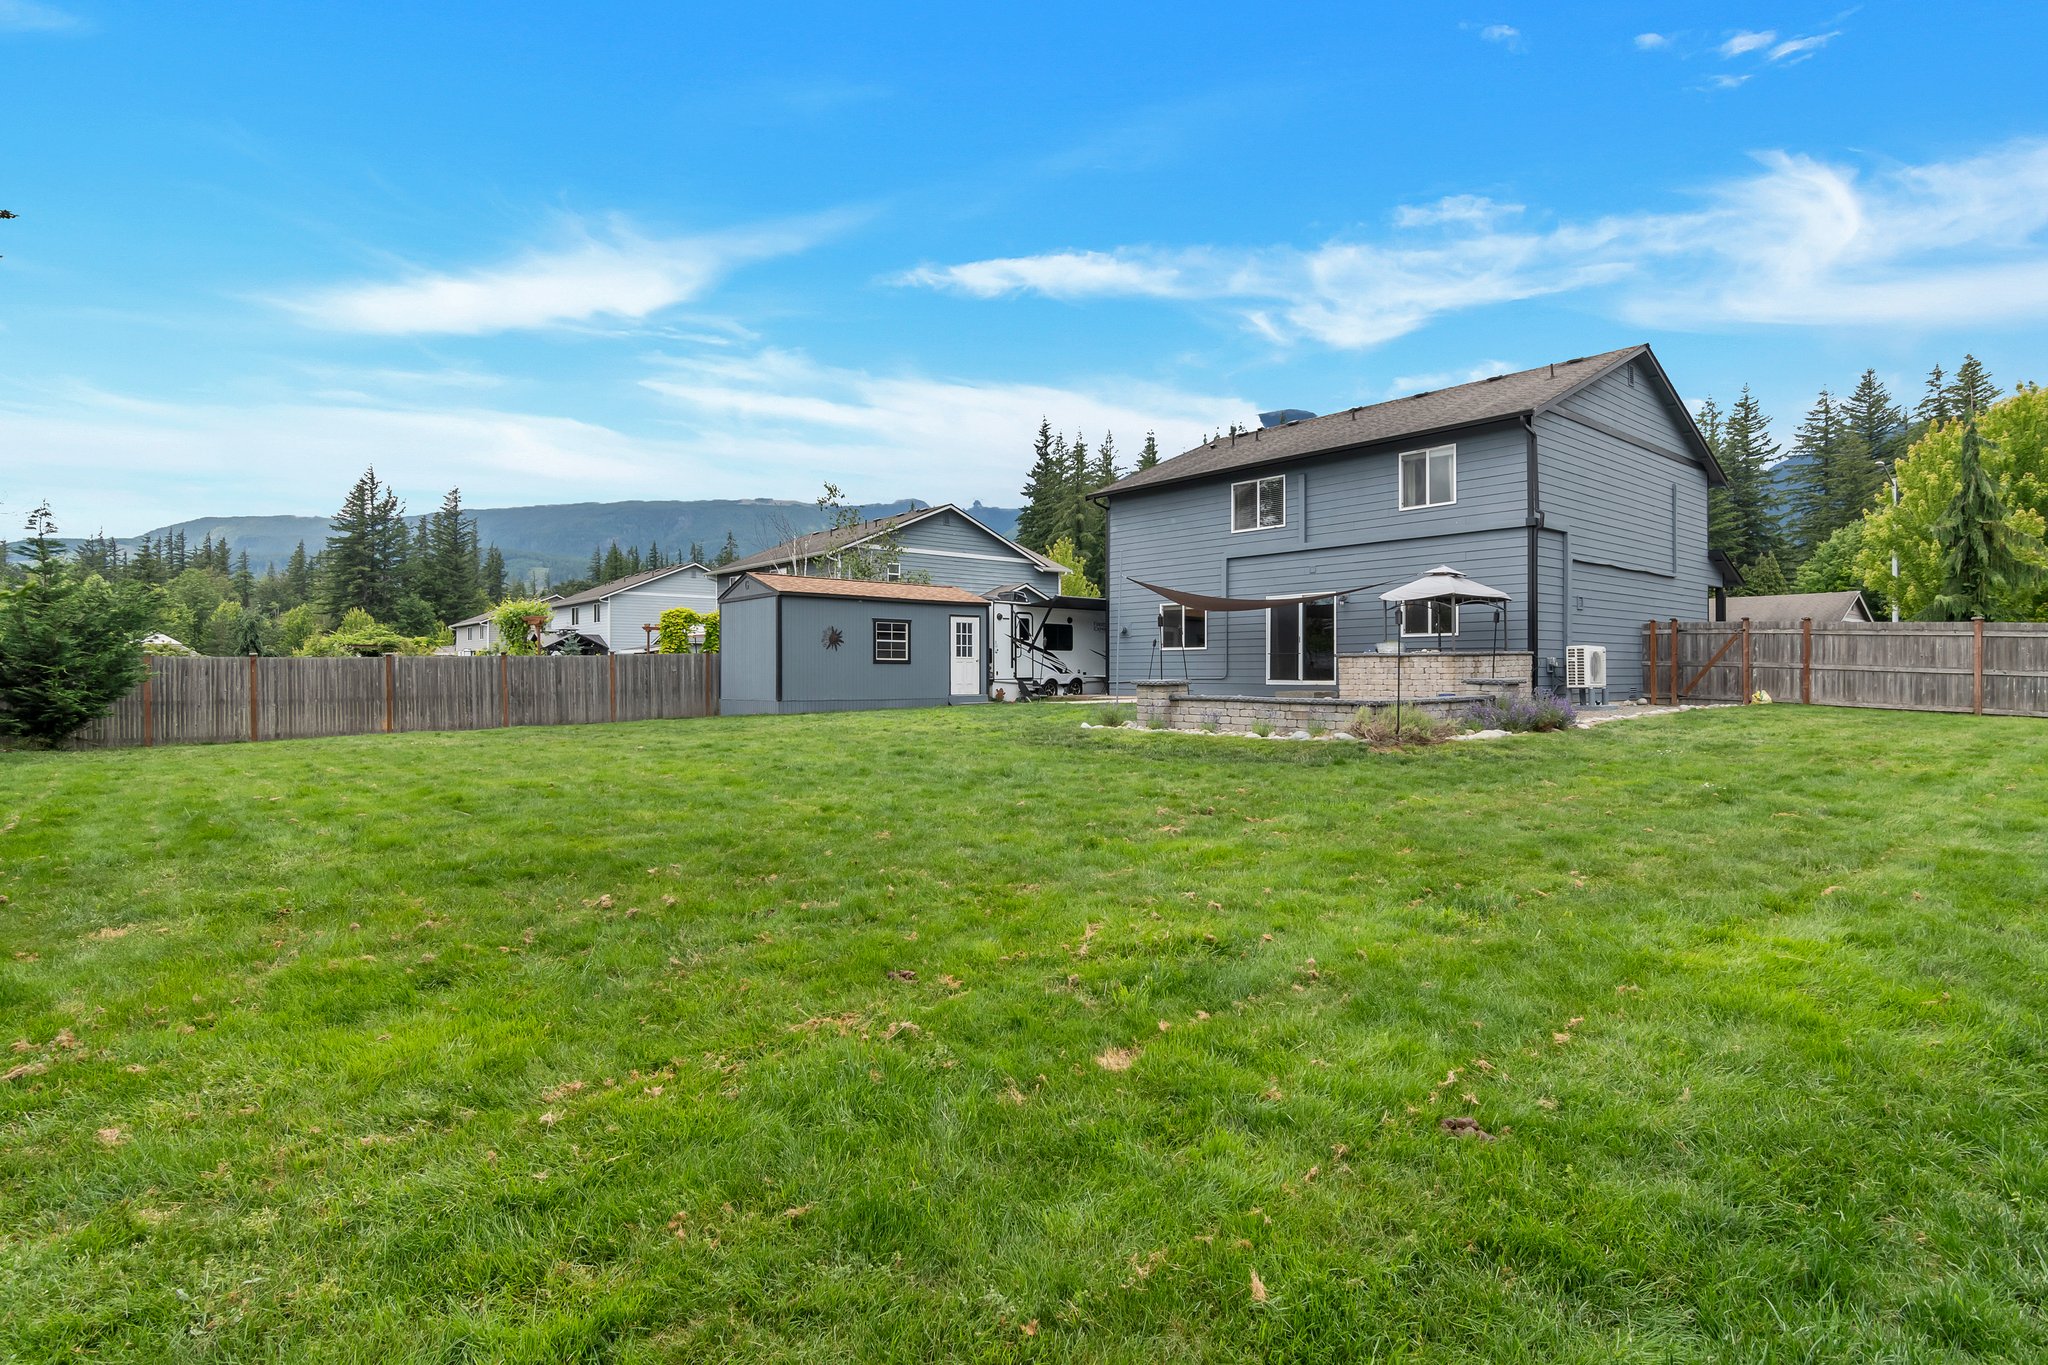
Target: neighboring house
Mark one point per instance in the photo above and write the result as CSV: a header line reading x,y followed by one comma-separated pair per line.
x,y
942,544
790,643
1578,488
476,634
612,616
1789,609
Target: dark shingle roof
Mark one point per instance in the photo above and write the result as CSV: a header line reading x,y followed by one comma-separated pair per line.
x,y
824,542
618,585
1463,405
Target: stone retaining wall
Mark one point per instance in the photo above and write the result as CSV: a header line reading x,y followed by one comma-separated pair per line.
x,y
1426,675
1170,706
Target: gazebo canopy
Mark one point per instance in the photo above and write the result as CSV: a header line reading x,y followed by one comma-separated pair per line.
x,y
1443,584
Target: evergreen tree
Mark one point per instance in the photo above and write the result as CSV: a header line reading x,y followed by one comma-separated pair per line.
x,y
696,552
1094,517
1764,578
1814,445
1971,391
727,552
1937,402
1038,523
493,576
244,581
596,571
298,576
1149,456
364,564
632,564
1985,558
1741,522
453,584
1874,420
613,564
67,642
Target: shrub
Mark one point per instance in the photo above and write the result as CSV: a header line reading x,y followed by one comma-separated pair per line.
x,y
1524,714
1392,727
509,617
1262,728
1116,715
675,630
67,643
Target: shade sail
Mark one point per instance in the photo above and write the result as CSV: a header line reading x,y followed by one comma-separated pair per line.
x,y
1202,602
1443,584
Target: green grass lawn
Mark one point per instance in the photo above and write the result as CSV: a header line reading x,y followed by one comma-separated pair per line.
x,y
973,1034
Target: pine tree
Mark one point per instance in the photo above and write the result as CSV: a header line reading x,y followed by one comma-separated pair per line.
x,y
1094,518
1815,445
1764,578
298,576
1971,391
493,575
1874,420
67,642
727,552
244,580
364,563
1038,523
1937,402
696,552
1985,557
1740,520
452,584
1149,456
613,564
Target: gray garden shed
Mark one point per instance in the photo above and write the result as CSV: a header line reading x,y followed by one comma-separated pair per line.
x,y
789,643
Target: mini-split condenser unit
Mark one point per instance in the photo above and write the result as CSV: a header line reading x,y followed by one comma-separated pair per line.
x,y
1585,667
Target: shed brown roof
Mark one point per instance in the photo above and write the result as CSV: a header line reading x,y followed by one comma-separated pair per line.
x,y
1793,607
794,585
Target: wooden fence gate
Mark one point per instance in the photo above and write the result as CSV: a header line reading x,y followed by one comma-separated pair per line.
x,y
1989,668
215,701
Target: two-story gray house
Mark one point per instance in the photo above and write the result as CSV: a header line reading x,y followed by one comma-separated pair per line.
x,y
1578,488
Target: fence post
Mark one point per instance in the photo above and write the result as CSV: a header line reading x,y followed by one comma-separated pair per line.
x,y
1674,661
613,660
1748,692
148,700
1977,665
1653,663
390,693
252,699
1806,660
505,689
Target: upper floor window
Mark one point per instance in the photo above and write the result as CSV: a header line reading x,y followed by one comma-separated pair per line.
x,y
1429,478
597,612
1258,504
1183,627
892,572
575,616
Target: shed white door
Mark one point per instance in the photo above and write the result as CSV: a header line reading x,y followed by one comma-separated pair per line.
x,y
966,656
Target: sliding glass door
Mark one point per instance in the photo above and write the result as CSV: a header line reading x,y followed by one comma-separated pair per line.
x,y
1301,642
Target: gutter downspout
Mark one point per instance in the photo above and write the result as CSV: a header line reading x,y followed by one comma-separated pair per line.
x,y
1534,522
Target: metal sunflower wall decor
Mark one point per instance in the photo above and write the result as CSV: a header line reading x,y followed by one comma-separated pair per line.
x,y
832,638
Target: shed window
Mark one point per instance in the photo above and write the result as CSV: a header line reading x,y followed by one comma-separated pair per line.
x,y
1258,504
892,642
1429,478
1429,618
1059,637
1183,627
1301,642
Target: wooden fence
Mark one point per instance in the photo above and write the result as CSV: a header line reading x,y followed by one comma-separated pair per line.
x,y
1990,668
216,701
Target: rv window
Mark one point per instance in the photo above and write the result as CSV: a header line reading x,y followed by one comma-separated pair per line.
x,y
1059,637
1023,625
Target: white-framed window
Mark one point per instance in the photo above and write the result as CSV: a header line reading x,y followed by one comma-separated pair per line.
x,y
892,642
1301,642
893,571
1429,478
1183,627
597,613
1258,504
575,616
1429,618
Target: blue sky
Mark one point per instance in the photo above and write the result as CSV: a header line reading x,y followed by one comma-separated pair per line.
x,y
555,252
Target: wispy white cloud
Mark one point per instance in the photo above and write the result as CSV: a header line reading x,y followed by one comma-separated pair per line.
x,y
1060,275
1721,80
790,420
611,272
1650,42
1505,34
1799,49
1474,209
1800,241
26,16
1748,41
1401,385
